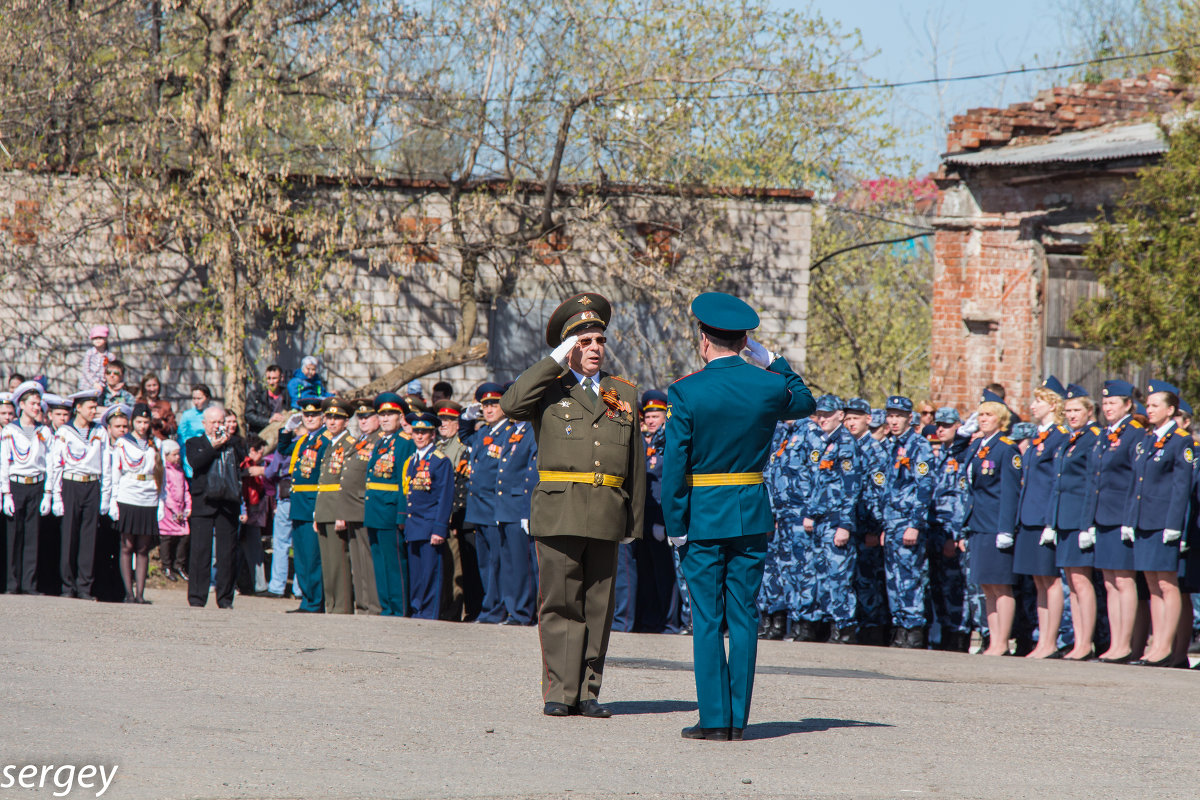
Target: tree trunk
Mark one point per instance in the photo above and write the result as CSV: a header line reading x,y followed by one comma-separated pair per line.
x,y
233,332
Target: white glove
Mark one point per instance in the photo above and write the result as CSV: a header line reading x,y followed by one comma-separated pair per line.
x,y
1004,541
44,509
1087,539
114,512
628,540
1049,537
471,412
10,510
293,422
1127,534
1171,536
525,525
660,535
678,541
757,353
561,352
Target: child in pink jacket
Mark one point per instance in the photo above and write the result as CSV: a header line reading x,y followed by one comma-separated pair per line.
x,y
174,508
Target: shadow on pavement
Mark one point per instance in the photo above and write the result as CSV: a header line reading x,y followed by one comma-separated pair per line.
x,y
768,669
621,707
773,730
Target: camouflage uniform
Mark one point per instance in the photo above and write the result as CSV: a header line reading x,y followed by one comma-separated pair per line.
x,y
947,576
832,504
870,585
772,597
908,490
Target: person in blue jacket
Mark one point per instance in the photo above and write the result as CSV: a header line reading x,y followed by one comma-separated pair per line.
x,y
870,582
658,600
990,518
429,490
1156,513
518,464
1067,517
947,581
1034,553
306,383
1110,477
384,507
487,445
779,476
715,504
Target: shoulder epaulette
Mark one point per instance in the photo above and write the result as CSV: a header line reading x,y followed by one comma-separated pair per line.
x,y
1095,429
1063,429
1006,440
327,435
1181,432
437,452
406,435
622,380
1134,423
690,374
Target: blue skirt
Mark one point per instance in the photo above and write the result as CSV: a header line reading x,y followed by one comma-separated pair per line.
x,y
987,564
1068,553
1151,555
1031,558
1111,552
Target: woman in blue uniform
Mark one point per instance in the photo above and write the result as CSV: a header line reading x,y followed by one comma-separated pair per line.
x,y
1070,519
1155,516
994,473
1110,475
1034,554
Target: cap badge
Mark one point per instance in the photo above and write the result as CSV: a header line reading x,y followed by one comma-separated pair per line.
x,y
585,301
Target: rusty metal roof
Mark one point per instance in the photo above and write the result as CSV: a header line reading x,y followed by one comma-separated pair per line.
x,y
1107,143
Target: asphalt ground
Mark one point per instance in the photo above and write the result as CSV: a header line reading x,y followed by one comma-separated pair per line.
x,y
254,703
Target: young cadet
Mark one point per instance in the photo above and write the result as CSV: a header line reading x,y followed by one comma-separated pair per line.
x,y
779,476
870,584
350,507
947,577
518,460
76,465
384,507
429,489
333,531
24,446
306,446
486,446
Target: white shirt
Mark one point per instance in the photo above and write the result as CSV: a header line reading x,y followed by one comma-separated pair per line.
x,y
131,472
1117,424
1164,429
23,452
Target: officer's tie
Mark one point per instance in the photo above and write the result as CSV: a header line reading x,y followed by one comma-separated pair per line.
x,y
590,385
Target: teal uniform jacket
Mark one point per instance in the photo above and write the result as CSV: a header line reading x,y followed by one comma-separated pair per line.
x,y
304,465
385,506
722,421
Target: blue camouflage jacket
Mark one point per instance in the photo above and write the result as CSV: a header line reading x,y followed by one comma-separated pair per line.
x,y
787,474
908,483
869,512
950,487
836,480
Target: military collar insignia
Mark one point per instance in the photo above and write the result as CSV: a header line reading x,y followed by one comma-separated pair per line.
x,y
565,403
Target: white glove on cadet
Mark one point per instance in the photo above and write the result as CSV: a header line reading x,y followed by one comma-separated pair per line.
x,y
1004,541
10,510
114,512
1049,537
1087,539
1127,534
561,352
1171,536
44,509
758,354
525,525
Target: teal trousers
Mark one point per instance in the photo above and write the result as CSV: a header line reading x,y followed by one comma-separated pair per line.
x,y
391,571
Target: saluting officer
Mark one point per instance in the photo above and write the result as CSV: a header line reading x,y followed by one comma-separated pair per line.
x,y
518,460
486,446
908,489
590,496
830,515
715,503
384,506
333,532
429,489
947,577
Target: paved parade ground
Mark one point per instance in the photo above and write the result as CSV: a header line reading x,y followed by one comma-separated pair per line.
x,y
254,703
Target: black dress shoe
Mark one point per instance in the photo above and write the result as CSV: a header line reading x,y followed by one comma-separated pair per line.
x,y
1162,662
711,734
590,708
302,610
557,710
735,734
130,598
1125,659
272,595
171,576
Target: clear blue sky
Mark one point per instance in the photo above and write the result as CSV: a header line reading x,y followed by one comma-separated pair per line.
x,y
967,37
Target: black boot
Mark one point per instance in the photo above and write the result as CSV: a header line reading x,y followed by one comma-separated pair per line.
x,y
911,638
897,636
778,627
764,625
959,642
802,631
846,635
873,636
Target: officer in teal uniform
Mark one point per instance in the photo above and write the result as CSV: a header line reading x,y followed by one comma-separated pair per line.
x,y
384,509
306,446
715,504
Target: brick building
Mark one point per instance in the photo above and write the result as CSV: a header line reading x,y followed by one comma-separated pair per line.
x,y
1020,188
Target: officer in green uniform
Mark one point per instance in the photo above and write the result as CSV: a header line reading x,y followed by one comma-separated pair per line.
x,y
384,507
350,502
307,446
333,531
590,496
714,502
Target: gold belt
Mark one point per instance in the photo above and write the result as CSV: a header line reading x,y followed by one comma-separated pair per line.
x,y
726,479
305,487
594,478
383,487
80,477
143,477
27,480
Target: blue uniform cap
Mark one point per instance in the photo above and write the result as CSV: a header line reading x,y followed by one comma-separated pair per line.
x,y
946,416
1023,430
389,401
991,397
856,405
1162,386
1075,390
724,315
1138,408
898,403
654,400
1055,385
878,418
1184,407
1118,388
489,391
830,402
930,433
423,421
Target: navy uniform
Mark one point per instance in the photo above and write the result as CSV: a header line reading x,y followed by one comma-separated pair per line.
x,y
304,464
518,463
384,509
429,489
1068,509
76,466
832,506
1111,479
487,445
1034,553
1156,508
990,515
870,582
24,454
947,577
908,490
772,597
715,502
658,599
